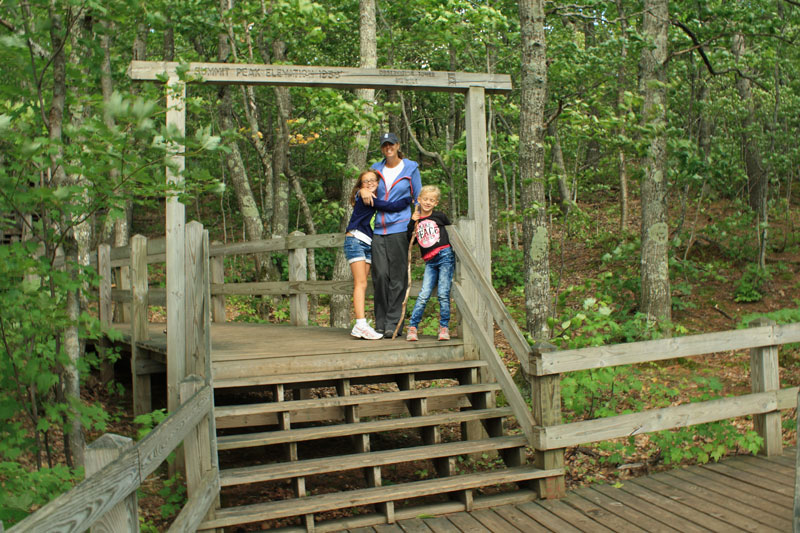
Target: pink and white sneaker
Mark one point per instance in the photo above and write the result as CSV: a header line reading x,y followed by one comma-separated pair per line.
x,y
412,334
444,334
365,332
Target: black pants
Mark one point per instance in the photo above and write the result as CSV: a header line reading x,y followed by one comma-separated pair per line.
x,y
389,278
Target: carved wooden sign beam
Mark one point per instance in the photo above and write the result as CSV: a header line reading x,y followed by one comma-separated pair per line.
x,y
307,76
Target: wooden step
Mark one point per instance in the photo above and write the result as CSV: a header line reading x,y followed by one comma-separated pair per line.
x,y
356,375
229,442
317,409
309,467
327,502
368,520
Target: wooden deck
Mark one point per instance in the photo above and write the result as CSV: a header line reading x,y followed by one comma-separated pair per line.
x,y
740,493
243,350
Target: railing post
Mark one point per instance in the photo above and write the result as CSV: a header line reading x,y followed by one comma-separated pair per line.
x,y
200,444
764,377
123,309
197,304
796,514
104,308
124,516
139,323
217,264
546,402
298,303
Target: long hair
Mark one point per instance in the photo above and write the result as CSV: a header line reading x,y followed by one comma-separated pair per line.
x,y
359,184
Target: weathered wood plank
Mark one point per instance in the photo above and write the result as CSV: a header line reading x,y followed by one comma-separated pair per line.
x,y
754,512
546,518
322,76
315,433
413,525
658,350
318,503
722,482
139,332
704,521
298,303
498,369
466,522
520,520
92,498
155,447
749,478
198,505
627,513
694,500
493,521
570,515
602,515
360,399
654,420
496,306
662,516
274,471
123,517
439,524
764,376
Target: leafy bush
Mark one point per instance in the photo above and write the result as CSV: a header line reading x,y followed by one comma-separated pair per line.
x,y
748,288
508,267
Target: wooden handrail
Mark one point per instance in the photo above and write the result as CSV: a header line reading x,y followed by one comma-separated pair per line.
x,y
87,502
645,351
517,341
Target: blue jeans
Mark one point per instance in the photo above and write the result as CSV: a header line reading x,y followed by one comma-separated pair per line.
x,y
439,273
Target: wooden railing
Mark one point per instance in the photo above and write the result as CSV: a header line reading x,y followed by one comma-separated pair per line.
x,y
543,365
297,288
116,468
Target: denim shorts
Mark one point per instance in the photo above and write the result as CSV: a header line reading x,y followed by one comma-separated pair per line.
x,y
356,250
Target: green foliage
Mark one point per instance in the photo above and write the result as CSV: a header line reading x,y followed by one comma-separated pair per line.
x,y
148,421
748,288
22,490
508,267
174,494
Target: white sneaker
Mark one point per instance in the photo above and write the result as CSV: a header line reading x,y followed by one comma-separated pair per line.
x,y
365,332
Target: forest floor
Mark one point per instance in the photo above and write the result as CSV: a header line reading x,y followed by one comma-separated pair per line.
x,y
708,303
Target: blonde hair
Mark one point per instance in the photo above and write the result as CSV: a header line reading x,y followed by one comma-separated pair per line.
x,y
433,189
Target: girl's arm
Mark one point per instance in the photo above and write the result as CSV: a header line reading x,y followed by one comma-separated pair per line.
x,y
391,207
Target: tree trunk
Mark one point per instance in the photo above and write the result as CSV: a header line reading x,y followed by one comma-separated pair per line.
x,y
356,156
557,156
280,156
757,178
533,90
621,81
655,298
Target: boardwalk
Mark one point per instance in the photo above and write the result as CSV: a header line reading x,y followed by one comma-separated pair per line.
x,y
738,494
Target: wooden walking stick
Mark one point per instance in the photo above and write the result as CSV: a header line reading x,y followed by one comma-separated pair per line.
x,y
408,289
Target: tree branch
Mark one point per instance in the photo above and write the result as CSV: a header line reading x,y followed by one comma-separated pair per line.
x,y
423,151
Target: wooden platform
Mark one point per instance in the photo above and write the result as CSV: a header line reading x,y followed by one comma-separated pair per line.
x,y
742,493
243,350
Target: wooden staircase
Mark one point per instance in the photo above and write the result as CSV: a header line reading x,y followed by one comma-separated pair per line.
x,y
373,446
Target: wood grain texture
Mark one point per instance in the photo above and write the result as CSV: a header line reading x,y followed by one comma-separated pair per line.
x,y
321,76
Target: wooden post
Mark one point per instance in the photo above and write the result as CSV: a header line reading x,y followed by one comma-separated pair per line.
x,y
175,228
764,377
199,445
796,518
217,264
197,307
298,303
546,402
123,309
139,322
104,309
124,516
